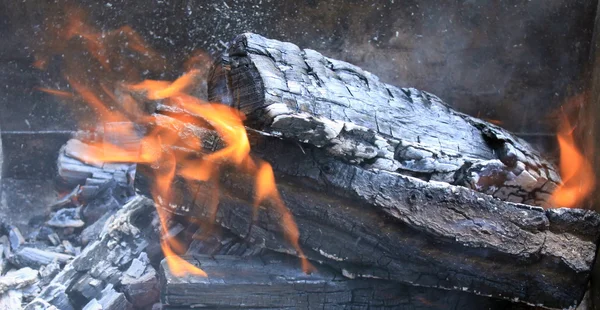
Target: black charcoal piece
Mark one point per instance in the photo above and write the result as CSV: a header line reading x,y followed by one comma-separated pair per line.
x,y
15,237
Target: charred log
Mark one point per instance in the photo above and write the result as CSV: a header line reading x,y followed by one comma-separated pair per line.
x,y
306,97
371,223
276,282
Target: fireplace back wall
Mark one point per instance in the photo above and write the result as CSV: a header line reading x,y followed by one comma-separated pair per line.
x,y
511,61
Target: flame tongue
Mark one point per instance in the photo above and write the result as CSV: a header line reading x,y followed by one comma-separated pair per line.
x,y
577,174
155,148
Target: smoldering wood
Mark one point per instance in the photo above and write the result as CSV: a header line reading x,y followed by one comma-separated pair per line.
x,y
304,96
100,267
372,223
67,200
277,282
94,230
140,283
76,167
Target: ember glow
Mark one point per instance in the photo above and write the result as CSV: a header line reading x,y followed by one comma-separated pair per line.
x,y
577,174
118,101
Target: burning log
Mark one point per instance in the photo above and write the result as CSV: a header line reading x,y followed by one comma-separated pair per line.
x,y
351,169
303,96
377,224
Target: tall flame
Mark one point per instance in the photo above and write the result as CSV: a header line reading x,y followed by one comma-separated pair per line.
x,y
577,173
119,102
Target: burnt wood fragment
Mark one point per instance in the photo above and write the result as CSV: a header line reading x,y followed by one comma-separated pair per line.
x,y
76,168
32,257
309,98
140,283
98,271
66,218
109,300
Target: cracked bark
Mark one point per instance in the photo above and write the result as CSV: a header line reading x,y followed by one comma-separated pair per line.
x,y
305,96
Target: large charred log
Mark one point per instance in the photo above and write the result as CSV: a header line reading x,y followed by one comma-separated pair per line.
x,y
396,203
304,96
371,223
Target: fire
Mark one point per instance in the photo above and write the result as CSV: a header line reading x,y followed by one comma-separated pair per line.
x,y
58,93
577,174
117,101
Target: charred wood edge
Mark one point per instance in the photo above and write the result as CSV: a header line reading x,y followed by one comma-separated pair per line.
x,y
303,96
589,126
112,261
375,223
91,177
276,282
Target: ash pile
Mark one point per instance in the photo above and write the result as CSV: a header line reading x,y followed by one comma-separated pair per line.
x,y
92,251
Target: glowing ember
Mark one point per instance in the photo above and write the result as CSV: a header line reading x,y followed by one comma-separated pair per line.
x,y
115,102
576,172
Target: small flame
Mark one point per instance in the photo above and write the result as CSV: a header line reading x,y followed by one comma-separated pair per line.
x,y
120,105
55,92
156,90
577,174
267,191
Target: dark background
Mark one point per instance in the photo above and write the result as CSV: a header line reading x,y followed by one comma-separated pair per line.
x,y
512,61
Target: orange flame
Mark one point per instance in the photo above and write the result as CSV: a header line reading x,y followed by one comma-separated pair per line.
x,y
56,92
155,148
577,174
